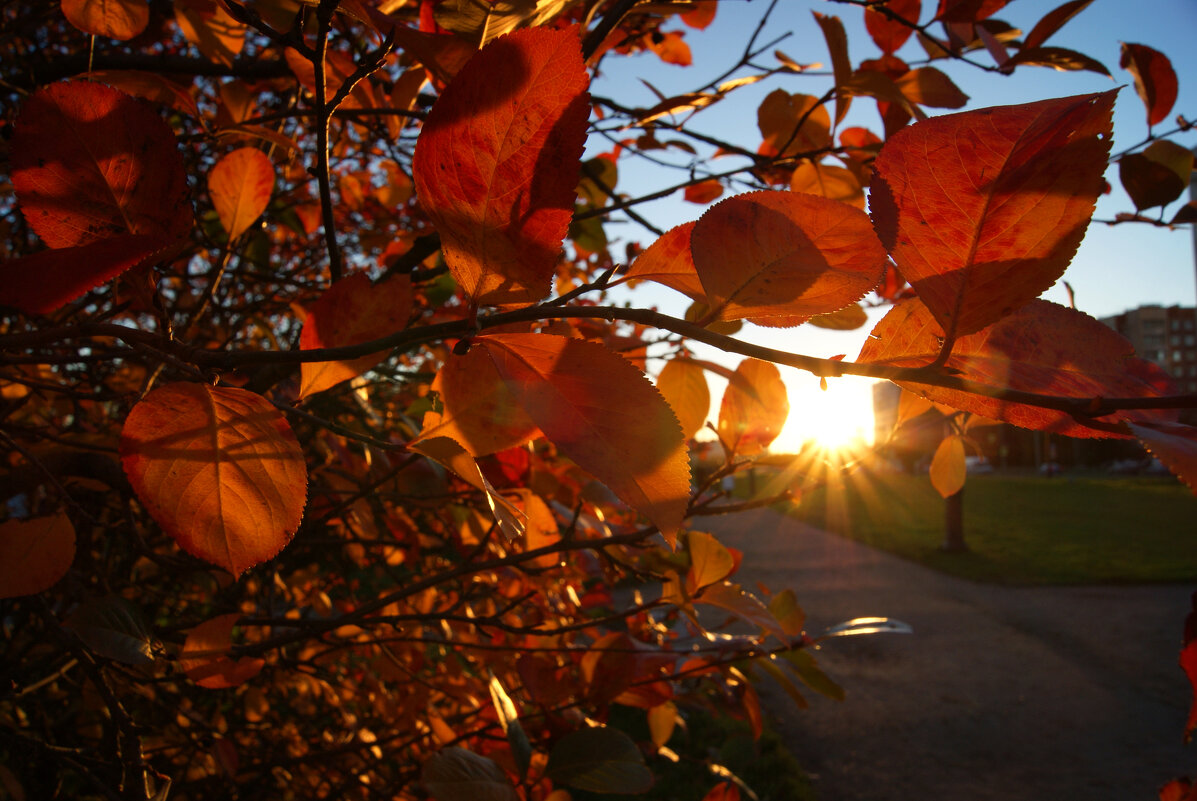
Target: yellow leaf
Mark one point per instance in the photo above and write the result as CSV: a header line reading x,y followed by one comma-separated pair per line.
x,y
948,467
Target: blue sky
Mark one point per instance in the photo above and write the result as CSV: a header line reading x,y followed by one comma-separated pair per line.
x,y
1116,267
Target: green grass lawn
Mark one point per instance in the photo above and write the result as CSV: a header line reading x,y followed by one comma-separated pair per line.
x,y
1023,529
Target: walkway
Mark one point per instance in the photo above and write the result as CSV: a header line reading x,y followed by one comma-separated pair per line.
x,y
1001,694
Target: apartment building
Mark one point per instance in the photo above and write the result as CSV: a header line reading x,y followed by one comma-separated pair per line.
x,y
1166,335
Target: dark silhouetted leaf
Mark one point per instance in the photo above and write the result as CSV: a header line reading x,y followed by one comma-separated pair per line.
x,y
34,554
1155,80
599,760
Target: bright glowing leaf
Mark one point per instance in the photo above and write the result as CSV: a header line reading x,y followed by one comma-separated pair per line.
x,y
479,150
116,19
1155,80
350,312
219,469
90,162
792,124
947,466
240,185
850,317
928,86
983,210
34,554
1042,348
684,386
830,181
704,191
211,28
668,261
710,561
784,254
841,64
754,407
205,657
604,414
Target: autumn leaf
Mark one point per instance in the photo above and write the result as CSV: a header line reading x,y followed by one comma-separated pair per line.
x,y
90,162
928,86
792,124
350,312
1173,444
1155,80
890,34
830,181
455,774
849,318
1158,175
116,19
600,760
947,466
754,408
703,192
35,554
784,254
710,561
667,261
1041,348
841,64
983,210
240,185
1188,663
205,657
701,15
602,413
684,386
219,469
479,150
210,27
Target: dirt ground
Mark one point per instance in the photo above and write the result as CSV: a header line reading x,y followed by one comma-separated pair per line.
x,y
1000,693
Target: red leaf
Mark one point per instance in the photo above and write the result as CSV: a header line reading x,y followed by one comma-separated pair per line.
x,y
91,162
1188,663
724,791
784,254
704,191
1052,21
34,554
1173,444
968,10
888,34
479,163
1041,348
754,407
604,414
219,469
983,210
49,279
204,658
702,15
240,185
668,261
350,312
1155,80
116,19
792,124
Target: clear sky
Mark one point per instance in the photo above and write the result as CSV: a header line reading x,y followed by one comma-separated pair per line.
x,y
1116,268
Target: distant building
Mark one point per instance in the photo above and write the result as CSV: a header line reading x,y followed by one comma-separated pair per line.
x,y
1164,335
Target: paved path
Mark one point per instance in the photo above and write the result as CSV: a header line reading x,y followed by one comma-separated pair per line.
x,y
1002,694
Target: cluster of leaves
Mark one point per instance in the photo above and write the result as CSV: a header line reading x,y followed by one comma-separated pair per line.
x,y
331,470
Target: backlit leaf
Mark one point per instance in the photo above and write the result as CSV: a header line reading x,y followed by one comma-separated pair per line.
x,y
684,386
1052,21
90,162
889,34
219,469
788,614
205,657
455,774
350,312
1155,80
601,760
240,185
480,148
668,261
754,407
928,86
662,720
211,28
704,191
116,19
702,14
1057,58
724,791
830,181
710,561
784,254
481,22
152,86
947,466
34,554
849,318
983,210
841,64
602,413
512,520
792,124
1173,444
46,280
1041,348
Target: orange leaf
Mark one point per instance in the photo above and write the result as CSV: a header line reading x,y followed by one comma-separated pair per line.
x,y
947,466
476,157
724,791
982,211
684,385
779,116
704,191
754,407
211,28
702,15
150,86
116,19
34,554
928,86
784,254
1173,444
204,658
671,48
841,64
479,410
828,180
1042,348
1155,80
219,469
602,413
849,318
49,279
240,185
90,162
668,261
710,561
887,33
350,312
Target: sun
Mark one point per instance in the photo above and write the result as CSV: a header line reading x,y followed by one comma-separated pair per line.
x,y
836,419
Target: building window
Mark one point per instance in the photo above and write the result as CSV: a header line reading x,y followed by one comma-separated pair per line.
x,y
1188,325
1175,324
1175,338
1190,341
1177,356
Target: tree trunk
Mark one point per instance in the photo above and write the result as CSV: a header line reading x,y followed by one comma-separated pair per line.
x,y
953,523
